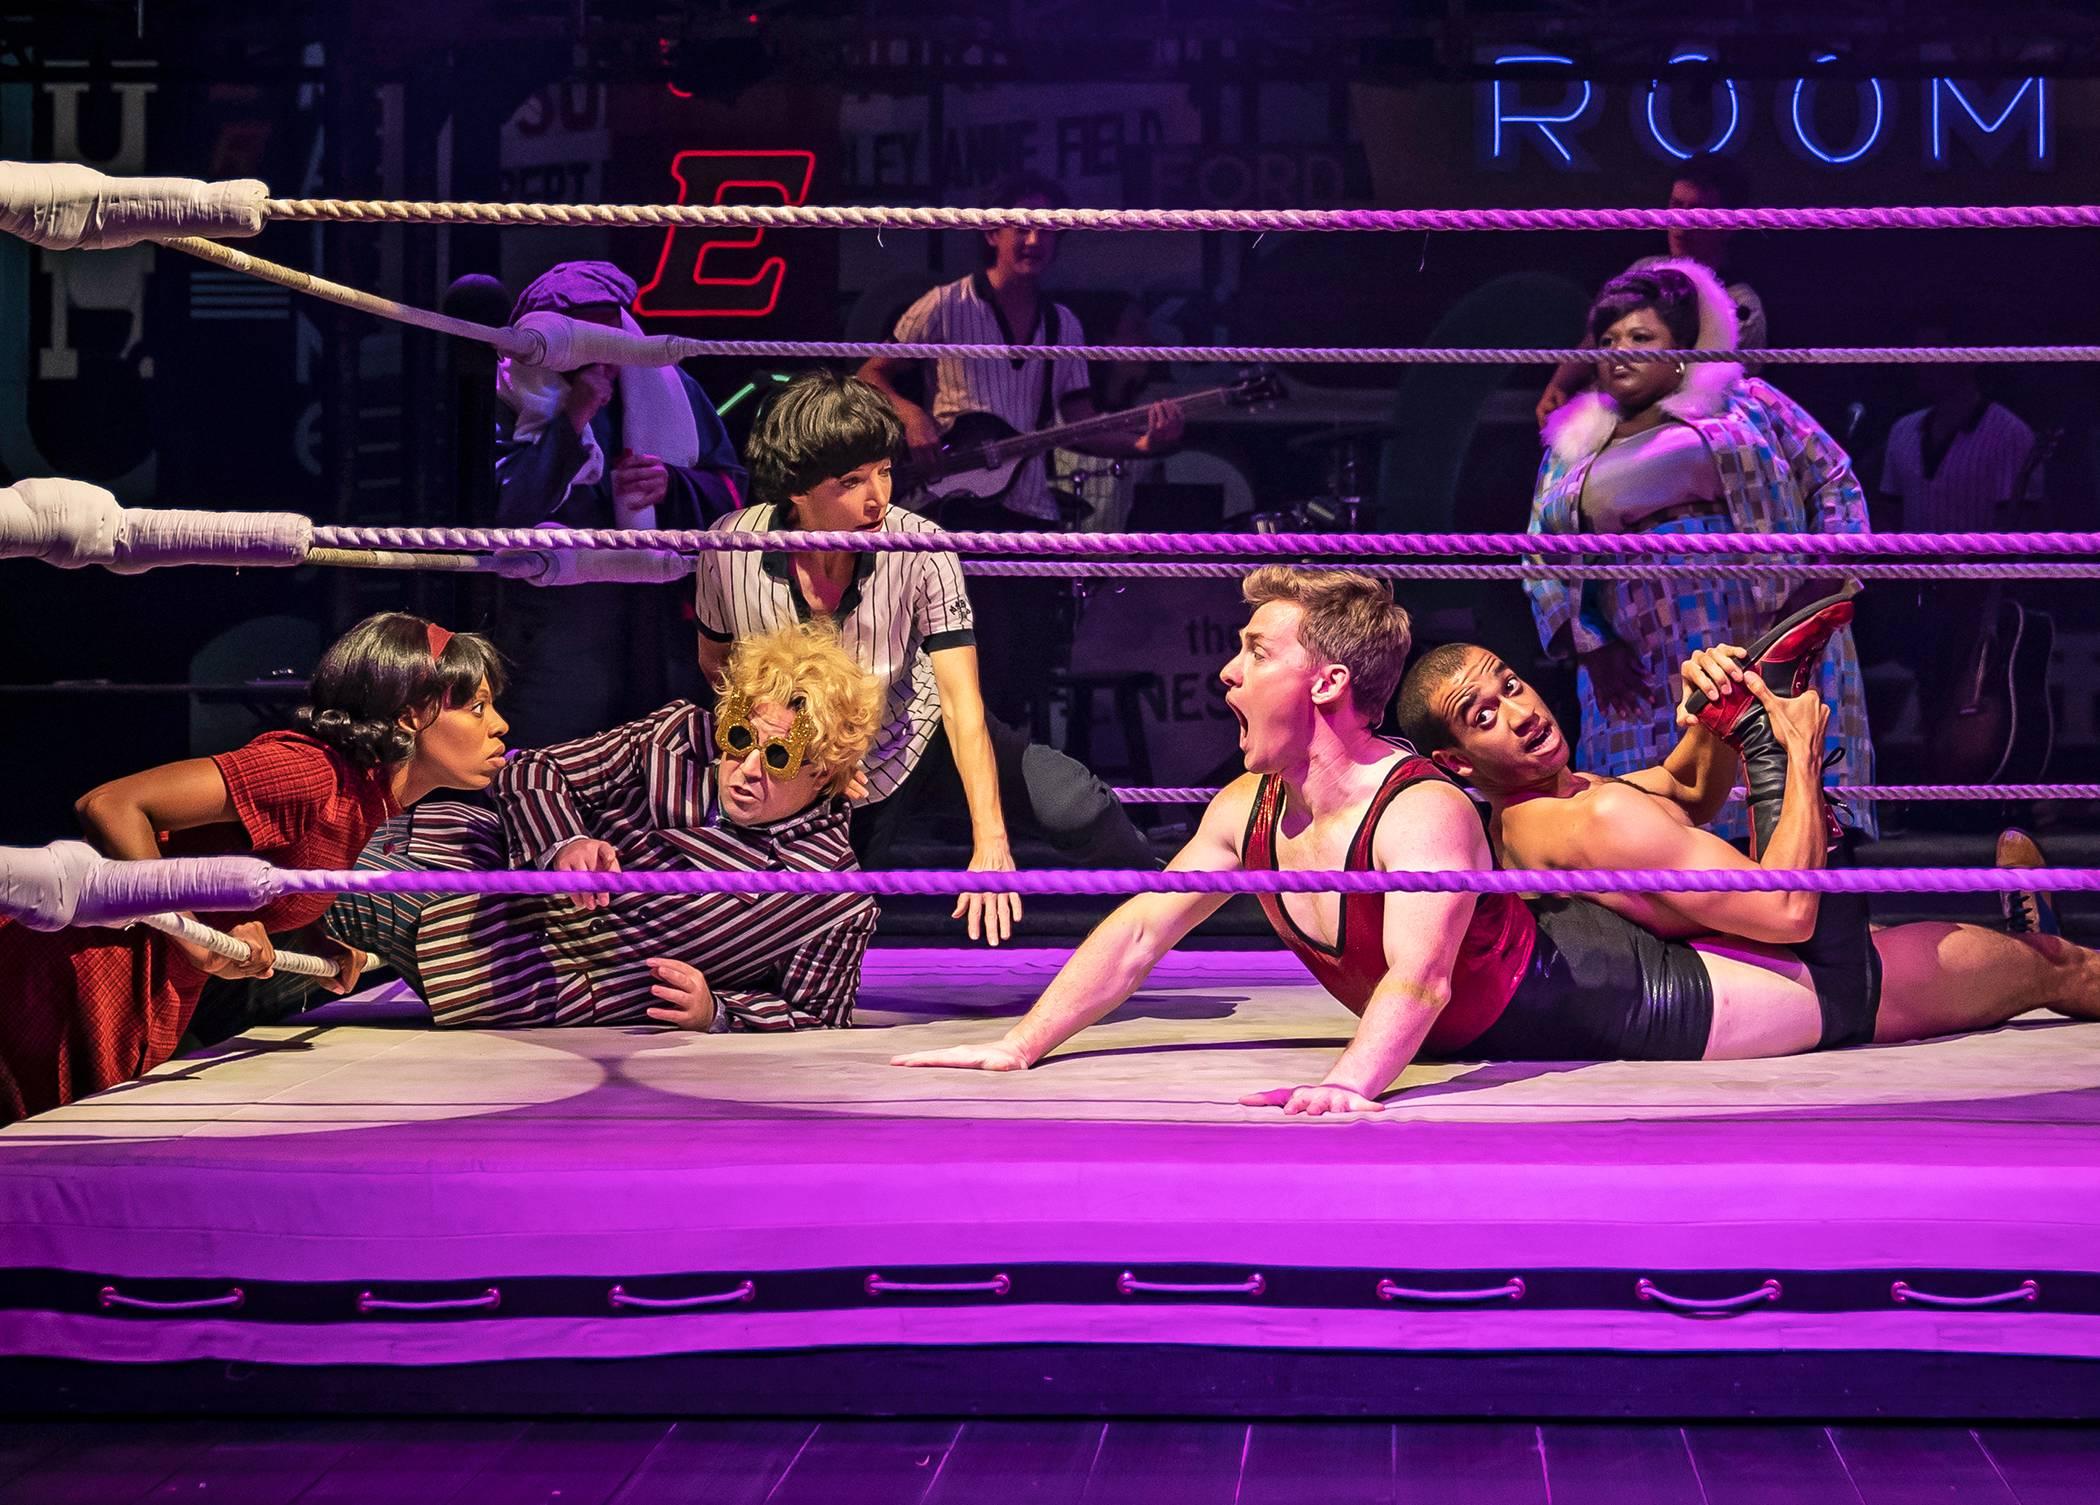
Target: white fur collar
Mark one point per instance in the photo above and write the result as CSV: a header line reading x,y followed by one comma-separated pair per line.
x,y
1584,424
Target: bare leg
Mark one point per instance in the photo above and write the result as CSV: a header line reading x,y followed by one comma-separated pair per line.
x,y
1764,1002
1939,978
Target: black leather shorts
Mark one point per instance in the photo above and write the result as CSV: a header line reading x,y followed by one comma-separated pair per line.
x,y
1846,970
1601,988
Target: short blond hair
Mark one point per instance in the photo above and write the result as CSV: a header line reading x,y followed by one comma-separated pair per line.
x,y
1351,619
807,663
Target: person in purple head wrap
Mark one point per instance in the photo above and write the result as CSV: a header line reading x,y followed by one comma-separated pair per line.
x,y
602,447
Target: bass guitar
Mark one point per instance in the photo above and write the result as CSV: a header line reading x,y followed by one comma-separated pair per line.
x,y
980,455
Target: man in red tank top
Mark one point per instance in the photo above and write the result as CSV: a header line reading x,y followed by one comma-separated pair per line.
x,y
1318,663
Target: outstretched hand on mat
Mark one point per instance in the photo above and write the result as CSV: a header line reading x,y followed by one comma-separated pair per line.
x,y
998,1056
1313,1101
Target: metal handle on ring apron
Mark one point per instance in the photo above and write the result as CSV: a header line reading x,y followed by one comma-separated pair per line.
x,y
1706,1306
488,1300
1129,1285
998,1285
1903,1292
1512,1290
110,1296
619,1296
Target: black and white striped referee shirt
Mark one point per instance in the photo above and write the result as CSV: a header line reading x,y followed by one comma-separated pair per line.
x,y
963,312
897,609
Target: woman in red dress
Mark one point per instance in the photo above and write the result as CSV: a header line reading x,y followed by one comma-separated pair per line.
x,y
398,707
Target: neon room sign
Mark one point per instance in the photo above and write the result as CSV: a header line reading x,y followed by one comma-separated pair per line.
x,y
1829,119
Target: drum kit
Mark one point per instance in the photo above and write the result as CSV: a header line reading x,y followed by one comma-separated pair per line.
x,y
1350,452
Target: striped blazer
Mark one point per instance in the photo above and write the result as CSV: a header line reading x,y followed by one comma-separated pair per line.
x,y
773,961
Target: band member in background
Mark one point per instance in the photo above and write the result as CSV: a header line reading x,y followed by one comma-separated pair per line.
x,y
1965,463
1004,302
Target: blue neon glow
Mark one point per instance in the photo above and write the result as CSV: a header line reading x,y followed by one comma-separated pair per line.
x,y
1873,135
2041,115
1735,112
1545,123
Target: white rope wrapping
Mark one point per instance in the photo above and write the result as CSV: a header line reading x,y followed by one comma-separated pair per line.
x,y
72,524
564,343
601,567
64,206
70,883
221,944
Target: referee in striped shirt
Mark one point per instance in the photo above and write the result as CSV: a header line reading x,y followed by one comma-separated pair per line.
x,y
820,457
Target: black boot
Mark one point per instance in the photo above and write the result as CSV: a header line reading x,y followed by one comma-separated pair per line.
x,y
1764,773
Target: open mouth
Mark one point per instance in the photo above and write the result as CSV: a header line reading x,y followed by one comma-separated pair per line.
x,y
1538,740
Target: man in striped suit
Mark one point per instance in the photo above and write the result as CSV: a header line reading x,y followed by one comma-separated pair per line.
x,y
757,786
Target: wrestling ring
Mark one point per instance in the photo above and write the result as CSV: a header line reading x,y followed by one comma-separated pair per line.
x,y
351,1213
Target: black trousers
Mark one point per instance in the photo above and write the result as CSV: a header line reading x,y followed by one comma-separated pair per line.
x,y
1044,793
1024,626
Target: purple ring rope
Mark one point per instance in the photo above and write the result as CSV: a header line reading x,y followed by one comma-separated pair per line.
x,y
1665,569
938,217
1927,880
1259,545
1196,794
1387,355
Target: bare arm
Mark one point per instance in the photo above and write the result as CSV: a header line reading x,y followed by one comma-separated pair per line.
x,y
1623,828
970,744
1115,960
1701,769
1429,828
124,818
1696,776
1569,378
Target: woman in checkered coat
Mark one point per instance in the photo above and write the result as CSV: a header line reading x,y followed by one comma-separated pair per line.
x,y
1683,447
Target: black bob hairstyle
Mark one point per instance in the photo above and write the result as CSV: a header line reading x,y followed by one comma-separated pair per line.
x,y
818,426
383,669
